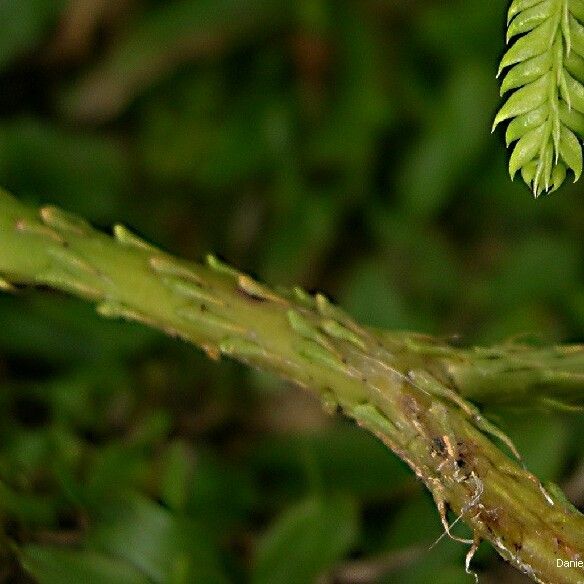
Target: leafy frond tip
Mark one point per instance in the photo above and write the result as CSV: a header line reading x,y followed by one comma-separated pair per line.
x,y
545,72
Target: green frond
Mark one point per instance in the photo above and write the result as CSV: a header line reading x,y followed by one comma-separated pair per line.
x,y
545,71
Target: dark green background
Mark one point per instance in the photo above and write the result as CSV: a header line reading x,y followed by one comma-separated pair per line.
x,y
341,145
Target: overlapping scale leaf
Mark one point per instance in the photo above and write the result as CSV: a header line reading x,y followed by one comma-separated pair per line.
x,y
545,71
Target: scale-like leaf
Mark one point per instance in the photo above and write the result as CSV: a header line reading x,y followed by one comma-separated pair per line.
x,y
546,72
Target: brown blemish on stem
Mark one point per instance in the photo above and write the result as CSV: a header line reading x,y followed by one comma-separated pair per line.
x,y
438,446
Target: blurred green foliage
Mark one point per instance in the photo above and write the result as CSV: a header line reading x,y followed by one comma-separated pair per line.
x,y
339,144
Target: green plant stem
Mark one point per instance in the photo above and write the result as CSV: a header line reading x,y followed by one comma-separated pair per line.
x,y
393,385
511,373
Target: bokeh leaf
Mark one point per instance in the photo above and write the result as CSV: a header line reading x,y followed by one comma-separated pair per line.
x,y
52,565
164,546
172,33
307,539
343,457
40,160
27,21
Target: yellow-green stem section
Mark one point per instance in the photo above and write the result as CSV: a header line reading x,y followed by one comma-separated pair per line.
x,y
400,387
